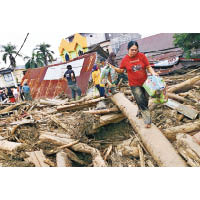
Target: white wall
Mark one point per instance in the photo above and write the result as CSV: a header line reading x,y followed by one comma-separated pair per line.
x,y
95,39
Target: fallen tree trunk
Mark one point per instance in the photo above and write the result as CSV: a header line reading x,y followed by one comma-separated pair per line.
x,y
155,142
49,103
107,119
171,133
181,86
9,108
62,160
177,97
55,139
187,140
77,106
103,111
9,146
97,159
190,162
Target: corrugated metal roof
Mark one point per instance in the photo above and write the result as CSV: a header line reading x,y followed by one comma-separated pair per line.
x,y
153,43
41,88
166,71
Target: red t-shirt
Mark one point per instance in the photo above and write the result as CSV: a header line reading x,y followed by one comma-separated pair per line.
x,y
136,68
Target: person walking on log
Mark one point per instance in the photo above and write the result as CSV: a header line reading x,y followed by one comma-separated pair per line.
x,y
71,79
136,64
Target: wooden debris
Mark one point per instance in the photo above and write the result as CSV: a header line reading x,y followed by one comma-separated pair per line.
x,y
177,97
97,158
62,160
20,124
53,151
103,111
189,142
9,146
107,119
108,152
50,163
55,139
56,120
171,133
150,137
72,156
142,162
79,105
37,158
127,148
196,138
12,107
149,163
187,111
49,103
185,84
187,158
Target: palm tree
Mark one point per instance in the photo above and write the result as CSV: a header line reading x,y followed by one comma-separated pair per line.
x,y
46,54
9,50
34,61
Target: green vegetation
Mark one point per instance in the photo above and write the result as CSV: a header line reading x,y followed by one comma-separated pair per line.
x,y
188,42
34,61
45,53
9,51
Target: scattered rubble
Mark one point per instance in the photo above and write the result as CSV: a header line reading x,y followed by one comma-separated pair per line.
x,y
86,133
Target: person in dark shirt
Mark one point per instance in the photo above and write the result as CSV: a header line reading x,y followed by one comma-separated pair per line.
x,y
71,79
27,92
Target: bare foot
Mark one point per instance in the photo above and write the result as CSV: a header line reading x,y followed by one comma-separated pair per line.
x,y
148,126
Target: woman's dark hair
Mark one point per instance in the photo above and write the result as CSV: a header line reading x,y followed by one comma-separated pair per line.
x,y
69,67
132,43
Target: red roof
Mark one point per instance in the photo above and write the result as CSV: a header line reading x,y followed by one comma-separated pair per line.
x,y
50,87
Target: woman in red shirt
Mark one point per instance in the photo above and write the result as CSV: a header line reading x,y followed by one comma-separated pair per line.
x,y
136,64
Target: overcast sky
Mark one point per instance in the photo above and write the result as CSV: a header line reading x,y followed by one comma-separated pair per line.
x,y
50,21
34,38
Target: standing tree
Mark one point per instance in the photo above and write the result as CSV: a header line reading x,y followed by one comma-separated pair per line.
x,y
9,50
187,41
46,54
34,61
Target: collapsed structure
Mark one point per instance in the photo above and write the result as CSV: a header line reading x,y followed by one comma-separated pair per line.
x,y
52,131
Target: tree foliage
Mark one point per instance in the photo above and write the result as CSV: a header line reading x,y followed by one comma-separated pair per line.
x,y
46,54
34,61
187,41
9,51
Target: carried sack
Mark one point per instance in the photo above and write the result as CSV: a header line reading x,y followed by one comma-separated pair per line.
x,y
156,88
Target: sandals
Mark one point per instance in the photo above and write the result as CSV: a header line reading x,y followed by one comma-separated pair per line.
x,y
147,125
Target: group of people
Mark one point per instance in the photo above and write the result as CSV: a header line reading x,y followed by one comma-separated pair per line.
x,y
135,64
15,94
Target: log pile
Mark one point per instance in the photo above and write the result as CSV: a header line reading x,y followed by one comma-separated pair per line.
x,y
60,133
